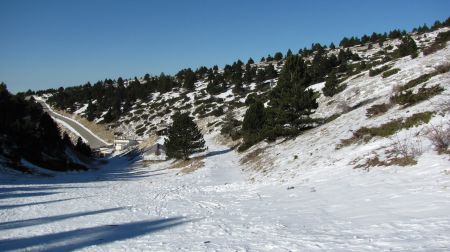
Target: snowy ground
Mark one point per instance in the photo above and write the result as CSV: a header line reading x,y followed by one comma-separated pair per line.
x,y
298,195
131,206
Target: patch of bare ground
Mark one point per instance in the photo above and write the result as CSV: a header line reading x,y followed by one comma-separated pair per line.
x,y
256,160
188,166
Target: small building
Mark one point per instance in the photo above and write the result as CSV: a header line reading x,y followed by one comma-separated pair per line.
x,y
122,144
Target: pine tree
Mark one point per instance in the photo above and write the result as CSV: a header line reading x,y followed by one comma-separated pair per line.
x,y
331,85
278,56
184,138
230,124
407,47
254,119
90,111
83,148
288,53
66,140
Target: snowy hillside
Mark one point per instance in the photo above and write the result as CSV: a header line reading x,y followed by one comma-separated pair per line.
x,y
369,178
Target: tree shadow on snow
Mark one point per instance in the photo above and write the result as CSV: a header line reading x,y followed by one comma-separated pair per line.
x,y
49,219
35,203
118,168
85,237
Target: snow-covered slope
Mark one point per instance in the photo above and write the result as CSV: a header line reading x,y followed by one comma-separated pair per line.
x,y
310,193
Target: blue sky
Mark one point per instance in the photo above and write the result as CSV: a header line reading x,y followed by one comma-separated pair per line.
x,y
46,44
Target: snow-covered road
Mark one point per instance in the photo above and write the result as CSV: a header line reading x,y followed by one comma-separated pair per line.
x,y
129,205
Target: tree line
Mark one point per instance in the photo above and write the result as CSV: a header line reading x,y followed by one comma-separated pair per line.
x,y
28,133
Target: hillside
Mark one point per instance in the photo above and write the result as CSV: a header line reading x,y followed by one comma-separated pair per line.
x,y
368,172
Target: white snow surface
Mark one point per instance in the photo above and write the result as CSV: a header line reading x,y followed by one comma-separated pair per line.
x,y
132,206
302,194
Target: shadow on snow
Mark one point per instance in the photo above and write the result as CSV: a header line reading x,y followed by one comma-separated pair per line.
x,y
118,168
85,237
50,219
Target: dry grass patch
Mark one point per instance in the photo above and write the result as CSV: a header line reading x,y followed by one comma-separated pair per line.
x,y
365,134
257,161
99,130
188,166
378,109
375,161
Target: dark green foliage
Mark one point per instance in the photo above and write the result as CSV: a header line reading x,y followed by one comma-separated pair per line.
x,y
278,56
270,72
90,111
216,84
348,42
254,118
407,47
408,98
184,138
390,72
332,86
288,53
377,71
230,126
438,44
416,81
253,124
27,132
83,148
188,78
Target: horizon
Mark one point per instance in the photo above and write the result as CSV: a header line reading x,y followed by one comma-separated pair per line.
x,y
51,44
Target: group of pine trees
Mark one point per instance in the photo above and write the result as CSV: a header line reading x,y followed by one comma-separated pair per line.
x,y
29,133
285,110
394,34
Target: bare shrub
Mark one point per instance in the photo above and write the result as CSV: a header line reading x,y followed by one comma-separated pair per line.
x,y
439,135
410,146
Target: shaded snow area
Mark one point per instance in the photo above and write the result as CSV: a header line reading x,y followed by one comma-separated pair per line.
x,y
130,205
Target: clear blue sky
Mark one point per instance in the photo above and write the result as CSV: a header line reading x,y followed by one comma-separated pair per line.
x,y
56,43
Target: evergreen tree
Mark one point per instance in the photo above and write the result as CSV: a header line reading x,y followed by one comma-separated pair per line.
x,y
254,119
90,111
278,56
331,85
288,53
184,138
332,46
250,61
67,141
83,148
407,47
230,124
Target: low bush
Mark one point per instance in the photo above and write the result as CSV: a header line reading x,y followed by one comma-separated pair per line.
x,y
415,82
377,71
440,137
408,98
365,134
378,109
390,72
438,44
